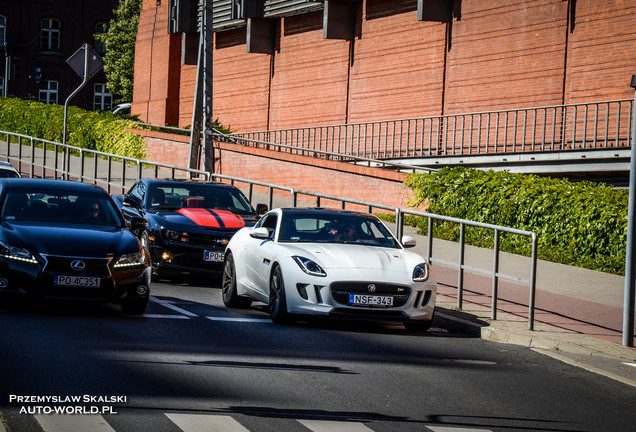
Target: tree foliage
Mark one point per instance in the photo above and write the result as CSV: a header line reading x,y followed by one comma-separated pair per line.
x,y
120,39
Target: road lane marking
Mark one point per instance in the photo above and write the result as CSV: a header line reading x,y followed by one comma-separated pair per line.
x,y
173,307
334,426
234,319
163,316
455,429
73,423
205,422
630,364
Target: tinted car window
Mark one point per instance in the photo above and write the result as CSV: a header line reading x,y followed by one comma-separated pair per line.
x,y
335,228
8,174
53,206
196,195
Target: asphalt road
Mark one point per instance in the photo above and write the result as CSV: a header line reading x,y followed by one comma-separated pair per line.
x,y
190,364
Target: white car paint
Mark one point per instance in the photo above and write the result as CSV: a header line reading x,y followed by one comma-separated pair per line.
x,y
254,258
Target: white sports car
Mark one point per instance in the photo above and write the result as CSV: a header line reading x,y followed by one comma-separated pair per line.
x,y
332,263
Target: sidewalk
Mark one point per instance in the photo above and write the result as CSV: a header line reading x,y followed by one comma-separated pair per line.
x,y
578,312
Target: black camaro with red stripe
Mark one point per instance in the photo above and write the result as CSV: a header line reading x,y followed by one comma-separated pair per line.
x,y
189,222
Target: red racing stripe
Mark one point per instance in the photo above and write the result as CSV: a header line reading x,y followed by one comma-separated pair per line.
x,y
213,218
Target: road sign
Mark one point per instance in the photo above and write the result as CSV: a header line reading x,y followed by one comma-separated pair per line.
x,y
93,64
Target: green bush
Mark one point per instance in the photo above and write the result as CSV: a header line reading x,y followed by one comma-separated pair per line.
x,y
577,223
104,132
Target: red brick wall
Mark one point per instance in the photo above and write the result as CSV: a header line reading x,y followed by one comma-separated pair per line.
x,y
157,67
308,89
513,54
398,70
506,55
298,172
601,56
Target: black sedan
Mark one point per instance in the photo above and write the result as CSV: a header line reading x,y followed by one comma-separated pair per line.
x,y
67,240
189,222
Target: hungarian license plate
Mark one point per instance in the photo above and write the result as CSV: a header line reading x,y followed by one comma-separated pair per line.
x,y
370,300
77,281
213,256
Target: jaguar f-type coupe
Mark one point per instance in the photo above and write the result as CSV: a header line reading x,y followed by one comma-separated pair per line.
x,y
328,263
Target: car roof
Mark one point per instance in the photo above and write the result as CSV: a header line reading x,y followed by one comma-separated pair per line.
x,y
167,181
4,164
67,185
323,211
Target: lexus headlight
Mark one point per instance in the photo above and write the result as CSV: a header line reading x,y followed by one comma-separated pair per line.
x,y
16,253
131,260
421,272
310,267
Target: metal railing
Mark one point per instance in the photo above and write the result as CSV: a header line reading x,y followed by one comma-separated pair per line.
x,y
48,159
295,150
597,125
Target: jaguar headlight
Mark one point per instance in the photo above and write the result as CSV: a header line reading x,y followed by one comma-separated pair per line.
x,y
310,267
131,260
16,253
421,272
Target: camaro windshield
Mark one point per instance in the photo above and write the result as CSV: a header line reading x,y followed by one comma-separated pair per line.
x,y
198,195
335,228
59,206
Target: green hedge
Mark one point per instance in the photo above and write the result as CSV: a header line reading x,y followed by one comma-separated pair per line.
x,y
104,132
577,223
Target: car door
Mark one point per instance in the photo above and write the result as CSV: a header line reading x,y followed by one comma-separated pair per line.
x,y
259,254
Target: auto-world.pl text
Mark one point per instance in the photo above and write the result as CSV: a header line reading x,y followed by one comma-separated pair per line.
x,y
55,404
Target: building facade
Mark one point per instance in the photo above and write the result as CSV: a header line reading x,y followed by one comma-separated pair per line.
x,y
36,39
294,63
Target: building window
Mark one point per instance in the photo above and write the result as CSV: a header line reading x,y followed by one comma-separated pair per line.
x,y
100,46
48,92
2,86
103,100
50,35
3,30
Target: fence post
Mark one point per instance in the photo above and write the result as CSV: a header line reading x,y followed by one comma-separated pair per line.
x,y
495,277
460,276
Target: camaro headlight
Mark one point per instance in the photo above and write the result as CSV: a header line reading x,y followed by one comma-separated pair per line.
x,y
310,267
130,260
421,272
16,253
176,236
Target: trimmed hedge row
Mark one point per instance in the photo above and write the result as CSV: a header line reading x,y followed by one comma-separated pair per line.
x,y
105,131
578,223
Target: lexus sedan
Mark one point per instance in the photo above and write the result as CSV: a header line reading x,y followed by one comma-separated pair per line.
x,y
189,222
328,263
67,240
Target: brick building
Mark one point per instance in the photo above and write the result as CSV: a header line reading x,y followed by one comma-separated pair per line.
x,y
36,39
308,63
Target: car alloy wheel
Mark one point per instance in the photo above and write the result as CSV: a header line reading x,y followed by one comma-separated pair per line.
x,y
230,297
277,299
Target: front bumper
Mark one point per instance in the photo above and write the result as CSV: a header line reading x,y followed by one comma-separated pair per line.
x,y
173,260
38,280
331,297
